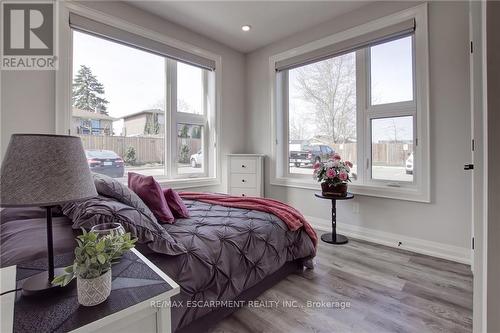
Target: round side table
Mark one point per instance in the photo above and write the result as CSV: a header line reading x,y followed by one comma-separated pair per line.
x,y
333,237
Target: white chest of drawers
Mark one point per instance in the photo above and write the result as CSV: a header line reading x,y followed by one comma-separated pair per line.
x,y
246,175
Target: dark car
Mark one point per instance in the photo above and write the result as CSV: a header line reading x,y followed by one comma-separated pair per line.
x,y
106,162
311,154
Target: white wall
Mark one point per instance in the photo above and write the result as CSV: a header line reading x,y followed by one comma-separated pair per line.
x,y
26,103
445,222
28,98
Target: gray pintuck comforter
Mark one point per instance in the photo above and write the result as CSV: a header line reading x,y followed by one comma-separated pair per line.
x,y
216,254
228,250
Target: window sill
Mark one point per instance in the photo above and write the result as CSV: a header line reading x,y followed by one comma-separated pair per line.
x,y
179,184
401,193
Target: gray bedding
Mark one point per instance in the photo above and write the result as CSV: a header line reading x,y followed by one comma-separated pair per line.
x,y
228,251
219,252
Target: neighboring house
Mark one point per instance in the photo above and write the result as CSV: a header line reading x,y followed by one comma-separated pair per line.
x,y
88,122
146,122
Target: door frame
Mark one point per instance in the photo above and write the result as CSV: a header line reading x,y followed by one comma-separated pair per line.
x,y
477,32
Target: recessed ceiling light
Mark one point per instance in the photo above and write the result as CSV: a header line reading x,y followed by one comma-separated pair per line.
x,y
246,27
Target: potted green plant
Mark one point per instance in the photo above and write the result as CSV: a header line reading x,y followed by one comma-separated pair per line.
x,y
333,175
94,256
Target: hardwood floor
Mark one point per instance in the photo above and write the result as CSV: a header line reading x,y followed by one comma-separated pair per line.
x,y
388,290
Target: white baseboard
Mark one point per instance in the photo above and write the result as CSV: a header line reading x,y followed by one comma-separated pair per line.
x,y
435,249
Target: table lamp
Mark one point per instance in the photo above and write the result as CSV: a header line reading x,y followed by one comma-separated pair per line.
x,y
41,170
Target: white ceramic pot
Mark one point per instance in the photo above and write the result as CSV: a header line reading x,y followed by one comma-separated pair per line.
x,y
94,291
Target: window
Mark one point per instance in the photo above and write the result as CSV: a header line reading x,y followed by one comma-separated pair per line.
x,y
190,119
391,66
189,89
363,97
392,111
141,111
190,149
124,103
392,147
322,112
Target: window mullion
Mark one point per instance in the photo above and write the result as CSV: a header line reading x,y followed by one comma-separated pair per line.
x,y
285,142
206,129
172,102
392,110
361,104
166,139
190,119
211,119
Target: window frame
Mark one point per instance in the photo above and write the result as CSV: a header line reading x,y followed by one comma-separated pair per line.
x,y
384,111
419,189
212,169
176,117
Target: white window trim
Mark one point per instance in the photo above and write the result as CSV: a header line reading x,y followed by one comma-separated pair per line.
x,y
380,111
176,117
420,189
64,79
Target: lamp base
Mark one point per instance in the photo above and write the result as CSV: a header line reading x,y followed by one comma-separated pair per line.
x,y
39,284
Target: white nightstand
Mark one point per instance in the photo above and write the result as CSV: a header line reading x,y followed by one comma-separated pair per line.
x,y
246,175
7,282
139,316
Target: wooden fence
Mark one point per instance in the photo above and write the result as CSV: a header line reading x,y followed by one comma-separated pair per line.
x,y
390,154
393,154
148,149
348,151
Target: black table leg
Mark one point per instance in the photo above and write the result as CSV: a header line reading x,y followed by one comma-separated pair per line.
x,y
333,237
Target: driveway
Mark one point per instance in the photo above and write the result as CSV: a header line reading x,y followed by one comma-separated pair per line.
x,y
379,172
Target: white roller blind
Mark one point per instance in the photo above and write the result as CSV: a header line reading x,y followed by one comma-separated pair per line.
x,y
383,35
90,26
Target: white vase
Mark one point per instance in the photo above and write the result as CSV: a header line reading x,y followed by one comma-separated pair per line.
x,y
94,291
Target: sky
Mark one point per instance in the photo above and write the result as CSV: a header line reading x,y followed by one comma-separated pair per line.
x,y
391,71
391,80
133,80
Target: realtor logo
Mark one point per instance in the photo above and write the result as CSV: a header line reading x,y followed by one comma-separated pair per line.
x,y
28,39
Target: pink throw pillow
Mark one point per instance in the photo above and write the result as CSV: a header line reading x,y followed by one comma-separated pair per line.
x,y
175,203
150,192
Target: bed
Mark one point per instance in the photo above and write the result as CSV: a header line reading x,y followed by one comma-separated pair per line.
x,y
218,253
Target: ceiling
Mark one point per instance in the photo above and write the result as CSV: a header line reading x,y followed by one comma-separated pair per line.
x,y
270,20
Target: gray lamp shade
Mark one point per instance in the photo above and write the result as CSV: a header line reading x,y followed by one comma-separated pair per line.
x,y
44,170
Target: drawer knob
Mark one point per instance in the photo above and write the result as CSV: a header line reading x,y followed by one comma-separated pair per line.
x,y
243,195
243,166
243,180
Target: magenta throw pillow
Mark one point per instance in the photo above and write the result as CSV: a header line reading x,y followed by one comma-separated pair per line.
x,y
151,193
175,203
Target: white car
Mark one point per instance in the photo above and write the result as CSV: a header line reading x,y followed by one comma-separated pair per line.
x,y
196,159
409,165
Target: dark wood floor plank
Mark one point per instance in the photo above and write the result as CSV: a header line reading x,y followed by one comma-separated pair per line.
x,y
389,290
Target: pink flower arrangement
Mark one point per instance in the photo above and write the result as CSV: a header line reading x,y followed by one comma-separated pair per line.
x,y
334,171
